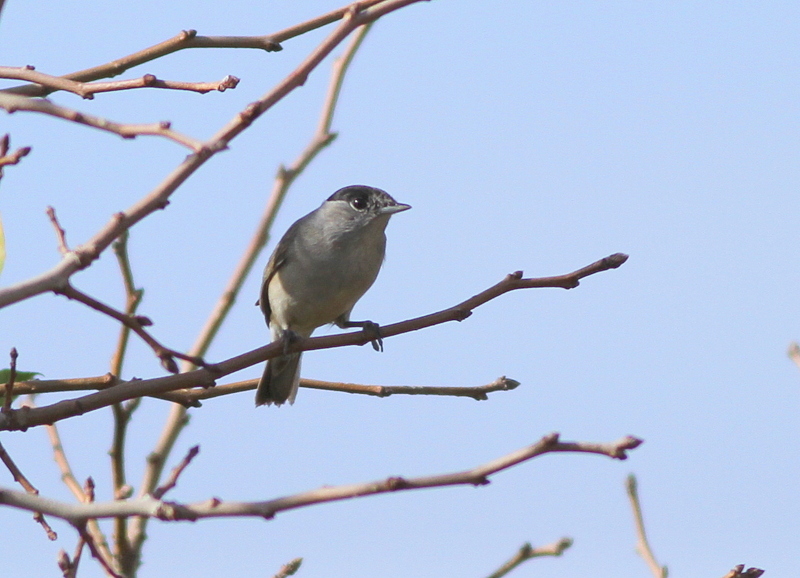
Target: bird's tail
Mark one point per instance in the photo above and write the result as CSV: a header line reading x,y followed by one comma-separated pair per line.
x,y
280,380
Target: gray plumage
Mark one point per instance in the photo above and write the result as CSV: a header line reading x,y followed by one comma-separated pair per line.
x,y
320,268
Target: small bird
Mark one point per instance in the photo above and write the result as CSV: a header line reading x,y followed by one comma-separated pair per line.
x,y
323,264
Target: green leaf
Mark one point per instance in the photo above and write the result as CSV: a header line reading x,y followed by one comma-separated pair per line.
x,y
21,376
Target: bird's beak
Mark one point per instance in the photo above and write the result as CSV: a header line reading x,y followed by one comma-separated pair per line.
x,y
392,209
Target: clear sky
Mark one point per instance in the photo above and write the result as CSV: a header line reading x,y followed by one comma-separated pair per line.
x,y
538,136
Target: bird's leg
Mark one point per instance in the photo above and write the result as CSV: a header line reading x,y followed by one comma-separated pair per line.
x,y
370,328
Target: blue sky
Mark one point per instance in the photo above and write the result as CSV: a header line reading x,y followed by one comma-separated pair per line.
x,y
530,135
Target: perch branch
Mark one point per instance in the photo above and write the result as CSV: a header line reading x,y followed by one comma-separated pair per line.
x,y
206,377
642,544
215,508
526,552
284,179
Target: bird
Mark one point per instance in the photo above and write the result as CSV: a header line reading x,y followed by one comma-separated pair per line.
x,y
320,268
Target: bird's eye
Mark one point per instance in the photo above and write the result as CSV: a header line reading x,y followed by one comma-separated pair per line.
x,y
359,203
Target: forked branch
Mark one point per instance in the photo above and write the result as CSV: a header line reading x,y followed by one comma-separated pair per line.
x,y
150,507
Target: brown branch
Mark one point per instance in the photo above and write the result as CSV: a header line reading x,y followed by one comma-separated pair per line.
x,y
122,414
740,572
8,398
206,377
88,90
135,323
189,39
61,234
13,158
642,544
13,103
157,199
20,478
285,177
80,493
192,397
215,508
289,569
172,481
526,552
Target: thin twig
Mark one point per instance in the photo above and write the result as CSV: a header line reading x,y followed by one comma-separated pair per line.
x,y
642,544
135,323
289,569
526,552
12,376
172,481
88,90
283,181
740,572
122,413
158,198
189,39
13,158
192,397
93,548
69,479
20,478
13,103
207,377
61,234
215,508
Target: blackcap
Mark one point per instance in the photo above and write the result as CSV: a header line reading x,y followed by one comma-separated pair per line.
x,y
323,264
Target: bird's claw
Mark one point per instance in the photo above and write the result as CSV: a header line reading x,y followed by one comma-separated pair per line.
x,y
374,329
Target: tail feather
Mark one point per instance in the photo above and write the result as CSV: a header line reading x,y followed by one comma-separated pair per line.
x,y
280,380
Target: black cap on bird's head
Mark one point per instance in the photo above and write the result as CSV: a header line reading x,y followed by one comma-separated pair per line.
x,y
368,199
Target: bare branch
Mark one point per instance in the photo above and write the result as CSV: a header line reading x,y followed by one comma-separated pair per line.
x,y
177,417
206,377
289,569
13,158
189,39
172,481
88,90
20,478
8,398
135,323
61,234
740,572
526,552
157,199
80,493
215,508
642,544
13,103
122,414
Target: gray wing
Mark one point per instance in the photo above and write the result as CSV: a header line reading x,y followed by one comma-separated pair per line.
x,y
276,261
